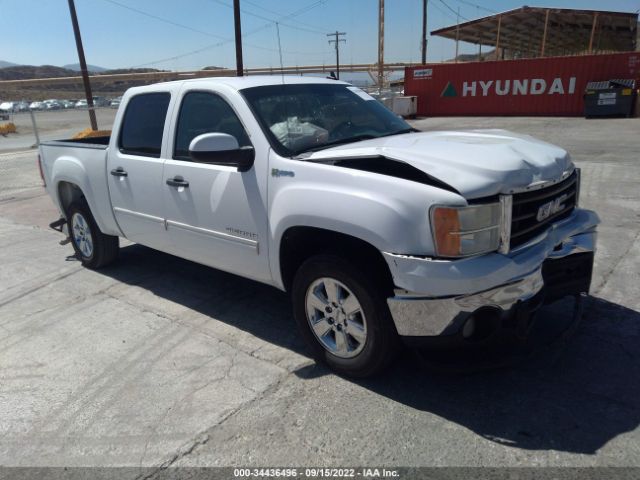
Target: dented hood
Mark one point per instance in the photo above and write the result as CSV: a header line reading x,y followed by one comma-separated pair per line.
x,y
477,163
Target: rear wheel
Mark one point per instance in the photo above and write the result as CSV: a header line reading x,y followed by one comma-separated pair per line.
x,y
93,248
343,316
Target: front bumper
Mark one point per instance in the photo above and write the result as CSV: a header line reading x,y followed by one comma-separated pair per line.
x,y
556,266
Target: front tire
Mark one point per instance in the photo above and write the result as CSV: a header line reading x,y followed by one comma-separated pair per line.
x,y
93,248
343,316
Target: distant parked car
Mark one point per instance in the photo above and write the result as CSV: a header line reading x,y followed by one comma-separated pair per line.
x,y
52,105
81,104
4,114
100,102
115,103
21,106
36,106
14,107
67,103
7,107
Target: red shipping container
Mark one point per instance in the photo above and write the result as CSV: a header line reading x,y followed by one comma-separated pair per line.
x,y
537,86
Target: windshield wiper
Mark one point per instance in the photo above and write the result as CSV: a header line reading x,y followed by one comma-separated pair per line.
x,y
342,141
356,138
400,132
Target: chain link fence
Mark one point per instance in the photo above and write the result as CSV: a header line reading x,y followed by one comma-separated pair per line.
x,y
31,126
22,128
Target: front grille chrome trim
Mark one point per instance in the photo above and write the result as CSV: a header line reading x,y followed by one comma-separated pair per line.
x,y
506,207
524,226
543,183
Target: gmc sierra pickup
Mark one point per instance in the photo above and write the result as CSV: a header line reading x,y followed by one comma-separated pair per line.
x,y
381,233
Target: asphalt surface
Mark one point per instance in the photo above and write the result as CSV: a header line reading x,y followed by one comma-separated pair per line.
x,y
156,361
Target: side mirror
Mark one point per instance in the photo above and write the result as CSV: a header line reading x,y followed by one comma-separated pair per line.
x,y
221,149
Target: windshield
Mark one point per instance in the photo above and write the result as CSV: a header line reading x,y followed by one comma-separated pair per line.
x,y
306,117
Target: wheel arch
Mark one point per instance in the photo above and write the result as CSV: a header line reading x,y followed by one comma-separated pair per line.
x,y
300,243
68,193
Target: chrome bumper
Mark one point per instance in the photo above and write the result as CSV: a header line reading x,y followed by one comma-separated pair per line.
x,y
417,314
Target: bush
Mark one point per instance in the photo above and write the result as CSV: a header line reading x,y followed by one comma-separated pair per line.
x,y
7,128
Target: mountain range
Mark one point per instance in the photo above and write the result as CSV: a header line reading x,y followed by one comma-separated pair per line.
x,y
70,66
4,64
91,68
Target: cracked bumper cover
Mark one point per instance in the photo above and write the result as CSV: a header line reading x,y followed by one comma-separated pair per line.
x,y
436,296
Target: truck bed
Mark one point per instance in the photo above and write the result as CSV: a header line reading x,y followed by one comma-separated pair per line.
x,y
81,162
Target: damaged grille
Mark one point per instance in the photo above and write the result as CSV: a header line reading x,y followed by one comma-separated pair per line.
x,y
533,212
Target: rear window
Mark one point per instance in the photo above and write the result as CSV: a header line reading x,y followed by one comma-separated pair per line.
x,y
143,124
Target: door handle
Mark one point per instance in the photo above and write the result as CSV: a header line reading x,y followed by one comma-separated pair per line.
x,y
177,182
119,172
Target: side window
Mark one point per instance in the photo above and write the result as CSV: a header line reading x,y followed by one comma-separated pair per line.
x,y
143,124
203,112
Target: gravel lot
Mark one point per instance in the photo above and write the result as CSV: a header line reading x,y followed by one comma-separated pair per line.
x,y
157,361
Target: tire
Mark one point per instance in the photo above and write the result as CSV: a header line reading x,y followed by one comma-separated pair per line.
x,y
93,248
359,344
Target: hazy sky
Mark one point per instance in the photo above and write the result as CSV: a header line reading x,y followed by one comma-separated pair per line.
x,y
190,34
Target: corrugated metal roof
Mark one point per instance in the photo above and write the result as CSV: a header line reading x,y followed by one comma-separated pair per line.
x,y
568,31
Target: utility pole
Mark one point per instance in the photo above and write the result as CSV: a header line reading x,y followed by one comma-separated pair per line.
x,y
238,29
457,32
337,41
424,31
380,44
83,66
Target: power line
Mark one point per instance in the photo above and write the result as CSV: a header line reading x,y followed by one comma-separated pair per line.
x,y
282,15
225,39
164,20
217,45
452,10
279,21
442,10
480,7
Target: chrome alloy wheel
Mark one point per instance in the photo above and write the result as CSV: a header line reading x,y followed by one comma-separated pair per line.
x,y
82,234
336,317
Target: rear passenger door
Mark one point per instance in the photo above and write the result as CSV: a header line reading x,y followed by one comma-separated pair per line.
x,y
217,217
134,170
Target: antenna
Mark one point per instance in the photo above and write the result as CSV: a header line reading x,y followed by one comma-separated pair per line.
x,y
280,52
337,41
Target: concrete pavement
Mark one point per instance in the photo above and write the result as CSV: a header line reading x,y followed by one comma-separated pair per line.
x,y
157,361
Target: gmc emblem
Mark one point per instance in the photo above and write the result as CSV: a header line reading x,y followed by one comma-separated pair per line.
x,y
551,208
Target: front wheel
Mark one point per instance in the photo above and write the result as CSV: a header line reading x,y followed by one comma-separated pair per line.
x,y
343,316
93,248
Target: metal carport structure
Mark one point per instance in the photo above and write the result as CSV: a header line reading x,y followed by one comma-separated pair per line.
x,y
531,32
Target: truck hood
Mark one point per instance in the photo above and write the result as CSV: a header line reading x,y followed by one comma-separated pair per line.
x,y
476,163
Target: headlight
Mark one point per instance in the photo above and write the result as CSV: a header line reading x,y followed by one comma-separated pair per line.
x,y
464,231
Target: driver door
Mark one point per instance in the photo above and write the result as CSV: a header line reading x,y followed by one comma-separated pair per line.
x,y
215,215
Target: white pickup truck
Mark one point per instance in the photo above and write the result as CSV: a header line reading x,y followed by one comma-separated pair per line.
x,y
381,233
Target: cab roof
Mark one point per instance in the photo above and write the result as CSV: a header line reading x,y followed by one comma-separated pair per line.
x,y
240,83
